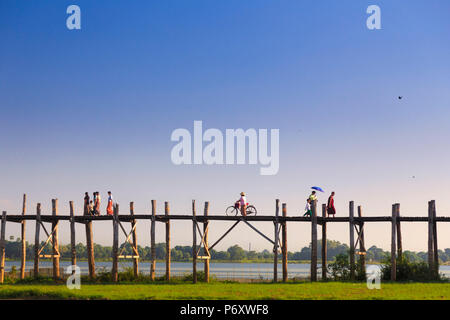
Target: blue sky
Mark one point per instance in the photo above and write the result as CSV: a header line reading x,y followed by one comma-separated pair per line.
x,y
93,109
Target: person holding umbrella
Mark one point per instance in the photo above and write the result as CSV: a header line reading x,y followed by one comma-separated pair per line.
x,y
313,196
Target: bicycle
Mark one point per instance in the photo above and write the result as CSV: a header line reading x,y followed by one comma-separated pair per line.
x,y
235,210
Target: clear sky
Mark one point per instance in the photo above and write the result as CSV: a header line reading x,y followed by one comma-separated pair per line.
x,y
94,109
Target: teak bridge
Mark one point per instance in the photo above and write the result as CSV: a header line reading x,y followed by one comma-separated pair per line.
x,y
200,239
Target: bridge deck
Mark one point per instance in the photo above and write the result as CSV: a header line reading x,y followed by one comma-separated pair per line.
x,y
201,218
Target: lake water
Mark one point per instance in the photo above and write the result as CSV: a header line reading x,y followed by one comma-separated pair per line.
x,y
262,271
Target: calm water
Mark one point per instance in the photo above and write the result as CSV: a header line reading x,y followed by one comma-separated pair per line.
x,y
219,270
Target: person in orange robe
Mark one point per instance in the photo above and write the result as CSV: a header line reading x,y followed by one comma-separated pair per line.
x,y
109,208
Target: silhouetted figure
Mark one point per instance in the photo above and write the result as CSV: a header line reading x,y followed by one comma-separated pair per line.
x,y
86,202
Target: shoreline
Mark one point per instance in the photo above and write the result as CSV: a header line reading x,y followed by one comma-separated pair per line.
x,y
269,261
188,261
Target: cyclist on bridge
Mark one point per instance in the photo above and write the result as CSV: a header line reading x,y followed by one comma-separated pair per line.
x,y
243,204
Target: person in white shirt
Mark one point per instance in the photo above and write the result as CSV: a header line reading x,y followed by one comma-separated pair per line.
x,y
308,208
243,204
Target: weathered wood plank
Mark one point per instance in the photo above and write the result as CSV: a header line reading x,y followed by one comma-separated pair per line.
x,y
435,241
352,239
166,211
23,250
324,243
362,247
194,244
393,244
284,246
430,237
36,240
73,251
275,245
314,240
55,241
115,248
2,247
205,233
152,242
134,239
89,239
399,234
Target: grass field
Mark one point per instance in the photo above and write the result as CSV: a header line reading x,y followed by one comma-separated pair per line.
x,y
220,290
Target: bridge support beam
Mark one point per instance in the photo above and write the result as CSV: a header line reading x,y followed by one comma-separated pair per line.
x,y
314,240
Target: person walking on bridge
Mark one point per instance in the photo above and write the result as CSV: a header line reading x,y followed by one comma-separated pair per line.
x,y
86,203
331,210
110,208
97,203
308,208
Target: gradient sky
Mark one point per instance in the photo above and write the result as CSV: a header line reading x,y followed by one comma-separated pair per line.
x,y
93,109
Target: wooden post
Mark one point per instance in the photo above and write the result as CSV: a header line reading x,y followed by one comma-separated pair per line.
x,y
275,246
133,228
36,240
314,240
115,248
362,246
393,245
435,241
89,246
2,247
194,244
55,240
166,212
152,242
430,237
284,244
324,242
352,240
73,251
24,244
205,233
399,234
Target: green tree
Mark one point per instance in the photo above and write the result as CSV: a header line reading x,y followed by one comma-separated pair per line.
x,y
236,252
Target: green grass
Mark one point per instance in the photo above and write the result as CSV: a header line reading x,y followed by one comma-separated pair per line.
x,y
222,290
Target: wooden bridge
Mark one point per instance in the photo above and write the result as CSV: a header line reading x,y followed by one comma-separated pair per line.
x,y
200,236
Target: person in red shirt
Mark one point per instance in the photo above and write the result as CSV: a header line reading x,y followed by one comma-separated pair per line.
x,y
331,210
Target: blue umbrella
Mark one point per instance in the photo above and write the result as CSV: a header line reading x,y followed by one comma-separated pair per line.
x,y
317,188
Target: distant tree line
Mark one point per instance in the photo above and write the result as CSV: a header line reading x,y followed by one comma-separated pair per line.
x,y
233,253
